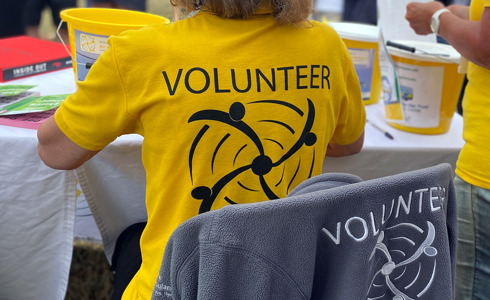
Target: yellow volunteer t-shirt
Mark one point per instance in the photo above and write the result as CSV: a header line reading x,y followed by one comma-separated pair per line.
x,y
473,163
232,112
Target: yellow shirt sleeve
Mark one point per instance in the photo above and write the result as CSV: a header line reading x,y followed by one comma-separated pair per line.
x,y
353,116
96,114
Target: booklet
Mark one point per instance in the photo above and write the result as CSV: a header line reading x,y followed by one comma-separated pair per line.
x,y
10,94
32,104
14,90
11,100
20,107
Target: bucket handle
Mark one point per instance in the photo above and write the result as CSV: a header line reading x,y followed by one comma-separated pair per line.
x,y
62,41
87,65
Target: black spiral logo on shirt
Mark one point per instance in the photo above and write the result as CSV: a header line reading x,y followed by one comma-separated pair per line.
x,y
262,164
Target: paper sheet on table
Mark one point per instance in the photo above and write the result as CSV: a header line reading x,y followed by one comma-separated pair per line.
x,y
391,19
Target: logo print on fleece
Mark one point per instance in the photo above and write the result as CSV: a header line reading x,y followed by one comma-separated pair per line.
x,y
409,253
261,164
394,264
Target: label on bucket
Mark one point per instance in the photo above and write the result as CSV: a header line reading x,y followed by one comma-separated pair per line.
x,y
89,47
363,60
421,93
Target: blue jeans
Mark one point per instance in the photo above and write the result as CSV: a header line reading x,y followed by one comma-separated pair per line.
x,y
473,254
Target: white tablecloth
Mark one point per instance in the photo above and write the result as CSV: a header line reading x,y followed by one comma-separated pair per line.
x,y
37,210
381,156
114,183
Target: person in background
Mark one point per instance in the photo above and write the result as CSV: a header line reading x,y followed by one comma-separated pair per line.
x,y
360,11
11,20
467,30
328,10
32,16
465,82
138,5
237,104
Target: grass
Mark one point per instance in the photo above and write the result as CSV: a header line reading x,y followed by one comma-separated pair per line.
x,y
90,275
48,28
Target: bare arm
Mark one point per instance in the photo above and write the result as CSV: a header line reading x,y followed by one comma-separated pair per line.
x,y
336,150
468,37
461,11
57,150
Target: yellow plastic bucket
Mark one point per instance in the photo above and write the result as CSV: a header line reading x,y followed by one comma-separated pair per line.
x,y
362,43
89,29
429,85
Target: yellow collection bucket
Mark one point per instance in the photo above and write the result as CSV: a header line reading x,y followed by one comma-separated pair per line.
x,y
362,43
89,29
429,86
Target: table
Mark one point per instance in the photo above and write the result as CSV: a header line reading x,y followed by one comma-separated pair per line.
x,y
37,204
381,156
37,209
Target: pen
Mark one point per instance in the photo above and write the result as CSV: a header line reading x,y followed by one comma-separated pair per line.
x,y
412,49
400,46
386,133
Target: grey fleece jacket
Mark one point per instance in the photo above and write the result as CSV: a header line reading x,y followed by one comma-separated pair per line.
x,y
334,237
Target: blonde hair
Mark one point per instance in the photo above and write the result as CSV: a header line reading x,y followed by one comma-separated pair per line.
x,y
285,11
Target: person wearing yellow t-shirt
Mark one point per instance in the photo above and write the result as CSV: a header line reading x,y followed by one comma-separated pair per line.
x,y
238,103
467,29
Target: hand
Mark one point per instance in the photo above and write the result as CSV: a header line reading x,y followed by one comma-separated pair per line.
x,y
419,15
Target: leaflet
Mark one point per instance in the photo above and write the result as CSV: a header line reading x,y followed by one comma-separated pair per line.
x,y
32,104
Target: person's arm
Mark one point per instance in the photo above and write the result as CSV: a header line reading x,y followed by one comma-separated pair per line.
x,y
468,37
461,11
57,151
337,150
